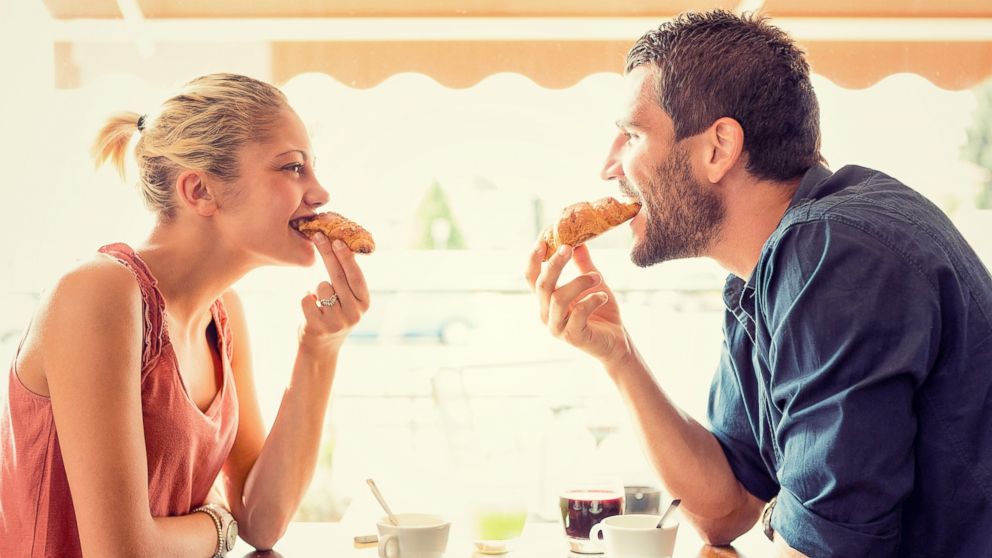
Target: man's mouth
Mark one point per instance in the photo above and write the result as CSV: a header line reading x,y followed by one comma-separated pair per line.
x,y
630,193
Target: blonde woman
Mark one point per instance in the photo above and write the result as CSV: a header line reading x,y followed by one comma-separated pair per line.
x,y
133,388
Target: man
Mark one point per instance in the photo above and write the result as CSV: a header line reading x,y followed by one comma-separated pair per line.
x,y
854,391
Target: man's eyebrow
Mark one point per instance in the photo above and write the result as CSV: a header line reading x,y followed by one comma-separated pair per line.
x,y
631,123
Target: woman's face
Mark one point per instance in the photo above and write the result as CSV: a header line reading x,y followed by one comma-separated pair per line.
x,y
277,184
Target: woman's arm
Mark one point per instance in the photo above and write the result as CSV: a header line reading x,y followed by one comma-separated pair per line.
x,y
91,331
267,476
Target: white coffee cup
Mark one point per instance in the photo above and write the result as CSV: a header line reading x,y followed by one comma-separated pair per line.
x,y
417,535
636,536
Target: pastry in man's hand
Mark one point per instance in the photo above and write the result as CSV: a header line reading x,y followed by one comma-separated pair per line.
x,y
582,221
337,227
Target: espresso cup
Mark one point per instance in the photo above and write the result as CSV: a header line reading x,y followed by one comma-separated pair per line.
x,y
416,535
583,506
636,536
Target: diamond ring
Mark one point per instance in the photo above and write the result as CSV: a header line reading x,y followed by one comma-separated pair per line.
x,y
328,302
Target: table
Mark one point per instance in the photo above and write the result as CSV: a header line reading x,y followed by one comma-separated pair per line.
x,y
540,540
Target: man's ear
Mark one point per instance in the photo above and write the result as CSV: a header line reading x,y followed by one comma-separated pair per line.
x,y
724,142
193,192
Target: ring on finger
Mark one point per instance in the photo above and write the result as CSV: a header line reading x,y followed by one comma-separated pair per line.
x,y
328,302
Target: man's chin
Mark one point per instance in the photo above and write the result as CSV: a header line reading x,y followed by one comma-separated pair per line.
x,y
641,256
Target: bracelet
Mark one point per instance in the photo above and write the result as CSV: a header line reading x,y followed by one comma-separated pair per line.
x,y
215,511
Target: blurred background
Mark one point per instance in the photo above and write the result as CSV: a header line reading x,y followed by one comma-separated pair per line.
x,y
455,131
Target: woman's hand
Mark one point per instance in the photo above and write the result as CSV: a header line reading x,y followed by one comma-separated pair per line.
x,y
345,299
583,311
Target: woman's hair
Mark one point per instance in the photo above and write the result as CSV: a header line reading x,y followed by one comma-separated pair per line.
x,y
201,128
717,64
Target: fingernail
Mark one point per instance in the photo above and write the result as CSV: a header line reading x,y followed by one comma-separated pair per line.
x,y
594,276
339,245
319,237
563,250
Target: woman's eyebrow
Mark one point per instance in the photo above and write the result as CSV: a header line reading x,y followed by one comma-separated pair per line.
x,y
300,151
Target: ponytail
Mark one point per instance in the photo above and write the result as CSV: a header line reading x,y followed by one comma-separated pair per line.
x,y
112,141
202,128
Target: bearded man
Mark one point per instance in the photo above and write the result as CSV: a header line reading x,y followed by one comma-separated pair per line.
x,y
852,406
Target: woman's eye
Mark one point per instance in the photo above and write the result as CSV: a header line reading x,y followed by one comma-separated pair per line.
x,y
294,168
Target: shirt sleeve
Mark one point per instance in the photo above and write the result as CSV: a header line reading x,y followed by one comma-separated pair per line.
x,y
852,329
730,423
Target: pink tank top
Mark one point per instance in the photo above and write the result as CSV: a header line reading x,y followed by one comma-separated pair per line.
x,y
186,447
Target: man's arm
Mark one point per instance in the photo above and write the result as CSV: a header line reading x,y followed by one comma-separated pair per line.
x,y
688,458
849,345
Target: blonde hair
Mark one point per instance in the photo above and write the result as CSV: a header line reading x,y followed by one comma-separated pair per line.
x,y
201,128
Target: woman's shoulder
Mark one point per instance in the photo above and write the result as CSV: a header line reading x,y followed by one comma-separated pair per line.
x,y
93,307
98,287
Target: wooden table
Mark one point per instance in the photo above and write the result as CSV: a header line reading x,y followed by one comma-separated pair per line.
x,y
540,540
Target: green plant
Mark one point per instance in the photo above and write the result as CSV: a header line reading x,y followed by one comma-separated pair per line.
x,y
978,148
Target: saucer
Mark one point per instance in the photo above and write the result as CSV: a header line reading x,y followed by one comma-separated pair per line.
x,y
492,547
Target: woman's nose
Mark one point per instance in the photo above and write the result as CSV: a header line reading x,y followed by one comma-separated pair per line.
x,y
317,197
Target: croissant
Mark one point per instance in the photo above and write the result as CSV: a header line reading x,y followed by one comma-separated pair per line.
x,y
335,226
582,221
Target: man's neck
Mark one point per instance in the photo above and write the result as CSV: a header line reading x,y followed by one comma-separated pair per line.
x,y
754,209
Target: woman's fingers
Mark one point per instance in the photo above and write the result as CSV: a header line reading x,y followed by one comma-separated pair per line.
x,y
352,273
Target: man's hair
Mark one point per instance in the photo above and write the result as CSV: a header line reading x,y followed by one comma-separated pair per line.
x,y
716,64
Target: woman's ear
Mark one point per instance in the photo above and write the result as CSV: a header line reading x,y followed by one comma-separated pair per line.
x,y
725,143
193,192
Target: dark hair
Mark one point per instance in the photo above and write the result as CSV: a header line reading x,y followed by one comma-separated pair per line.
x,y
717,64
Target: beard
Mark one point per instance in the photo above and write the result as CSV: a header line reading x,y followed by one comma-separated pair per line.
x,y
683,215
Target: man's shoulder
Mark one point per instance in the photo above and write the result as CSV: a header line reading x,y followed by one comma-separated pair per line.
x,y
856,193
869,204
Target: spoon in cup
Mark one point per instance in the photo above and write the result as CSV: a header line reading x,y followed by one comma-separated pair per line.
x,y
671,508
382,501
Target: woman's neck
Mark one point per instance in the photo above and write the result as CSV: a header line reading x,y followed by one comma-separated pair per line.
x,y
191,272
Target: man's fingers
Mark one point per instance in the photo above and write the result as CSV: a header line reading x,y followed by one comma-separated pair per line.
x,y
547,280
582,259
534,263
563,300
575,329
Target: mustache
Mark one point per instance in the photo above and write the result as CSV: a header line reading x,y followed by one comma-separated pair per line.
x,y
627,190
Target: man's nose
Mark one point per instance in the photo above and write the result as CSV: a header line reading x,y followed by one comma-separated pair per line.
x,y
612,167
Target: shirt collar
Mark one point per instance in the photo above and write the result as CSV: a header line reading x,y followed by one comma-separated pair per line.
x,y
738,295
808,185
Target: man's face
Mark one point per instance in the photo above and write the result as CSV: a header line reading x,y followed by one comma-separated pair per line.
x,y
680,215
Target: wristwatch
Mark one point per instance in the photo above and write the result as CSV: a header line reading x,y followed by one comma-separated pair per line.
x,y
227,527
766,519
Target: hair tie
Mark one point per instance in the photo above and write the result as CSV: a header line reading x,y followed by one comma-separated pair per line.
x,y
141,123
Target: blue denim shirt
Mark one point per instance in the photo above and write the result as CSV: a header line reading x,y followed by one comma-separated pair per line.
x,y
856,378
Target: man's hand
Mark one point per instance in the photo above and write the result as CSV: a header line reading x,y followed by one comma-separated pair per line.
x,y
583,311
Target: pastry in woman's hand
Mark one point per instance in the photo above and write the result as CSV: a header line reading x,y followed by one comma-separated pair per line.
x,y
582,221
337,227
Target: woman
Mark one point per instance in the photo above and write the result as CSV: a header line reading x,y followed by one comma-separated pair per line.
x,y
133,388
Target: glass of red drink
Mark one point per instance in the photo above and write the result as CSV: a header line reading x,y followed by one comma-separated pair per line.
x,y
583,505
